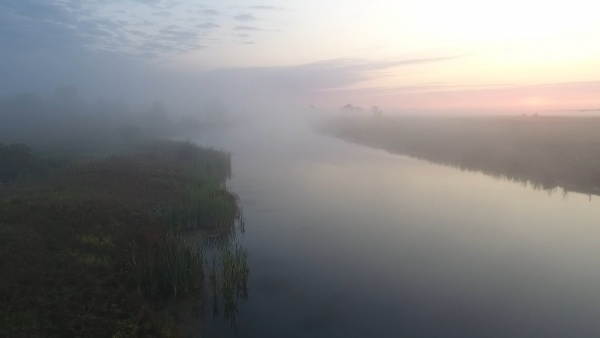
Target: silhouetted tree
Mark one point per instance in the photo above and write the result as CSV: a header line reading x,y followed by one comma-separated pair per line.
x,y
376,111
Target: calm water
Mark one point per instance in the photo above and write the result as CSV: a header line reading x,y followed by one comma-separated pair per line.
x,y
347,241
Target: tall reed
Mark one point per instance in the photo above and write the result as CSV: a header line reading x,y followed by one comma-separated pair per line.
x,y
170,268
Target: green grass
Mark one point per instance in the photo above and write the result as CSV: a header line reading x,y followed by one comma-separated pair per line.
x,y
86,249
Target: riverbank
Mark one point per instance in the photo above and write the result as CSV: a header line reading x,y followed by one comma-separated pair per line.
x,y
545,152
93,247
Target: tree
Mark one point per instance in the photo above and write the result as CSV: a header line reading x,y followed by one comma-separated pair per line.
x,y
376,111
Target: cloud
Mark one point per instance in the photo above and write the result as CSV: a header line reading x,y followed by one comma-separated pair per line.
x,y
207,25
247,28
175,32
343,72
68,25
209,12
124,28
27,26
148,2
267,8
137,33
162,13
245,17
313,78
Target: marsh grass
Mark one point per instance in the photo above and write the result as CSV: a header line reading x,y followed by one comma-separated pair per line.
x,y
172,268
228,279
213,269
202,201
208,205
203,161
85,253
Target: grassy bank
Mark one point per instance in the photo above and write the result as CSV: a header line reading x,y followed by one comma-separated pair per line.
x,y
91,248
546,152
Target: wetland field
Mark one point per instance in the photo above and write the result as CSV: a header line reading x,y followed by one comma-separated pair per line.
x,y
547,152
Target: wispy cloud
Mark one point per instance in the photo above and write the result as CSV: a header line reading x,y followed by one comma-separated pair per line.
x,y
33,25
320,76
344,72
247,28
148,1
162,13
266,8
73,24
207,25
210,12
140,29
245,17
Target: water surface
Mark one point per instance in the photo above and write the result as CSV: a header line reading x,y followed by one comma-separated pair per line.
x,y
348,241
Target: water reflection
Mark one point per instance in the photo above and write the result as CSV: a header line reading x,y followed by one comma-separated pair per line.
x,y
225,284
543,154
228,280
364,243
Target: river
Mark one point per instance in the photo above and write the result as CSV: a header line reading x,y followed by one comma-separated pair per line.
x,y
348,241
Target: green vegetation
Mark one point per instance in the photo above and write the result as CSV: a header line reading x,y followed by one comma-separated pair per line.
x,y
546,152
228,277
91,247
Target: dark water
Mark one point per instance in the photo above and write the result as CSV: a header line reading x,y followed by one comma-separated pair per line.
x,y
347,241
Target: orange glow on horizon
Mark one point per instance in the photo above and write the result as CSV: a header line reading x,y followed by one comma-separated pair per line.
x,y
522,99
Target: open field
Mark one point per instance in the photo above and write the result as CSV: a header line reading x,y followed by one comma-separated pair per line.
x,y
546,152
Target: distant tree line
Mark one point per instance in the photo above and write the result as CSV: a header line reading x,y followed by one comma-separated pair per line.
x,y
66,122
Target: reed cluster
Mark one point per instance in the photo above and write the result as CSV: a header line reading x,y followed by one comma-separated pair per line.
x,y
207,205
78,242
169,264
168,268
228,276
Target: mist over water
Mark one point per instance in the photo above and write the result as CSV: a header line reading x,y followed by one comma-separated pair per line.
x,y
347,241
404,168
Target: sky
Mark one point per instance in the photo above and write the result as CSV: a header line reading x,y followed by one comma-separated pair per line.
x,y
405,56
